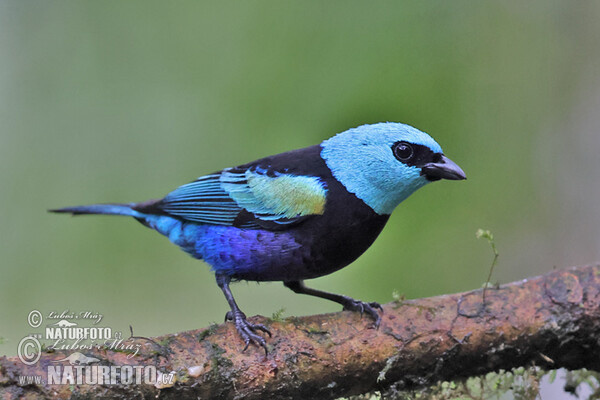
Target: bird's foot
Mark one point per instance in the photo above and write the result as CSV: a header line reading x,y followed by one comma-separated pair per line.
x,y
363,307
248,331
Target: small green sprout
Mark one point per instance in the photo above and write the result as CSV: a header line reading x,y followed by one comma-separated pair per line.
x,y
398,297
486,234
277,316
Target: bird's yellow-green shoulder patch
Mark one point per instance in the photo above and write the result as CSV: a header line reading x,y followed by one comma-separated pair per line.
x,y
288,195
272,196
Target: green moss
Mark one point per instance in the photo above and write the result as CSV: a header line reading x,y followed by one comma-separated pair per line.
x,y
520,384
124,351
207,332
166,341
312,330
219,362
182,375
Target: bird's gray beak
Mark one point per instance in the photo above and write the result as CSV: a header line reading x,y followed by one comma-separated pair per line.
x,y
443,169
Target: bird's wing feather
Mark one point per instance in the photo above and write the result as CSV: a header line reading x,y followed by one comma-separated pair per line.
x,y
202,200
271,198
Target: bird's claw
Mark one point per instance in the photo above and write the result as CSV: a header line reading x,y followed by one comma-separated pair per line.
x,y
362,307
248,331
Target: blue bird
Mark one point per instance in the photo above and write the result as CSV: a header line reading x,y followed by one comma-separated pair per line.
x,y
296,215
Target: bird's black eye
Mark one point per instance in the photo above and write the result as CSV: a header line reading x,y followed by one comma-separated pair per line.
x,y
403,151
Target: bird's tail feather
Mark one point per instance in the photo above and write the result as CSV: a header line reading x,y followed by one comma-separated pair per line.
x,y
106,209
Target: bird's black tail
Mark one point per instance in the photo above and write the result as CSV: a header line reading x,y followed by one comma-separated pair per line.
x,y
105,209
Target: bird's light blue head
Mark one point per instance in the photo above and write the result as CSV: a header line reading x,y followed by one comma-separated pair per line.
x,y
383,164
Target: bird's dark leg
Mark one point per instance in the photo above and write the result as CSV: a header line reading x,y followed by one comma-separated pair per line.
x,y
246,330
348,302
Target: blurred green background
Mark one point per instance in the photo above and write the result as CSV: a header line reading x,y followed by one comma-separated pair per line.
x,y
123,101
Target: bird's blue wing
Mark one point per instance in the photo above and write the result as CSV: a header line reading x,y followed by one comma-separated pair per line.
x,y
202,200
248,198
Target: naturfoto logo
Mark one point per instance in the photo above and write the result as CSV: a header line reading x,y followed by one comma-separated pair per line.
x,y
64,332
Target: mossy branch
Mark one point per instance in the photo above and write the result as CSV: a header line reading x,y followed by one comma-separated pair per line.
x,y
551,321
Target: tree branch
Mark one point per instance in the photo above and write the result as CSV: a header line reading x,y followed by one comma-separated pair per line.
x,y
551,320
